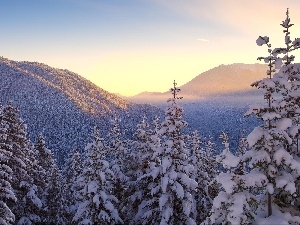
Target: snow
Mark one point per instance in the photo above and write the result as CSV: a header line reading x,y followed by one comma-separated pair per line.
x,y
164,183
102,176
270,188
254,136
284,123
236,210
229,160
166,163
179,190
286,181
225,179
296,42
33,197
162,201
103,196
282,156
221,197
185,179
172,176
187,206
278,63
109,206
271,220
267,82
262,40
92,187
255,178
104,216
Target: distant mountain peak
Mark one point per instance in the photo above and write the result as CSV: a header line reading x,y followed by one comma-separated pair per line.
x,y
223,79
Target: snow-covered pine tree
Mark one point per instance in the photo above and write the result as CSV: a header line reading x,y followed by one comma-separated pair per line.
x,y
139,159
55,206
203,174
288,80
45,158
241,150
98,205
6,194
211,165
33,198
50,185
71,172
147,140
271,142
45,163
118,152
170,199
234,204
23,165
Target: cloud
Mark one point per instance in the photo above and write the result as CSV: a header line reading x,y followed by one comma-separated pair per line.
x,y
243,16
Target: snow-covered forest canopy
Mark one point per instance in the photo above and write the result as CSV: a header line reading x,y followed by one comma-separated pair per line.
x,y
164,174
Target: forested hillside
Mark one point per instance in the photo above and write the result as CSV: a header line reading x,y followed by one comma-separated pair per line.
x,y
63,105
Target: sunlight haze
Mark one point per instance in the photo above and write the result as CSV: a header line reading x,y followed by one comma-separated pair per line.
x,y
131,46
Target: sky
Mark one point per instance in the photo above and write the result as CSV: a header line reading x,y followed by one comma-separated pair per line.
x,y
131,46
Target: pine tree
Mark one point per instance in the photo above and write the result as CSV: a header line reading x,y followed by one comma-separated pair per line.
x,y
147,139
45,163
71,172
288,106
241,150
169,199
203,174
6,193
270,144
119,164
22,163
98,205
45,158
234,204
55,207
137,164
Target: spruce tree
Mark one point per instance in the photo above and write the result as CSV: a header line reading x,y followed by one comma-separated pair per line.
x,y
55,206
169,199
235,203
137,164
98,205
45,158
71,172
147,139
6,194
118,152
23,165
271,143
45,163
204,173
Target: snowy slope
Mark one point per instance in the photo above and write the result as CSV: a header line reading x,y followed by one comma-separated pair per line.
x,y
63,105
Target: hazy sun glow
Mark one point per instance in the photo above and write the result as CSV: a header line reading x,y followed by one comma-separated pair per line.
x,y
132,46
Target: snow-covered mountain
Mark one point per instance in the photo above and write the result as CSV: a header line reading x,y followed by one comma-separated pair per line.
x,y
63,105
234,79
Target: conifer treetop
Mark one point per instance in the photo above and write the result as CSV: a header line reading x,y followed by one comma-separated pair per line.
x,y
174,90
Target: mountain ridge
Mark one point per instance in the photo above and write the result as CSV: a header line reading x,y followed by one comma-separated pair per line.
x,y
63,78
221,80
65,106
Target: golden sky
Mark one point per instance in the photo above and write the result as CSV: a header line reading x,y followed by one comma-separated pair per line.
x,y
132,46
